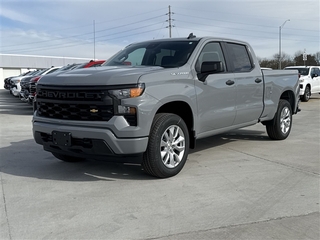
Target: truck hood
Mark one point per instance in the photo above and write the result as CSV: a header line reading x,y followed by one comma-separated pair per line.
x,y
117,75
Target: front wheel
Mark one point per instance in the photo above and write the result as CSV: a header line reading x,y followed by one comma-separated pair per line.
x,y
168,146
307,94
280,127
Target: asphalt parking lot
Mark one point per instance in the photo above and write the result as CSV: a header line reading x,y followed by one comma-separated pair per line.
x,y
238,185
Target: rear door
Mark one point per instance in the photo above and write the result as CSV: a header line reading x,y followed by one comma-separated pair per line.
x,y
249,84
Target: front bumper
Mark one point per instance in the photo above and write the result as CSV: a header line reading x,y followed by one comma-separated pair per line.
x,y
85,141
301,93
15,92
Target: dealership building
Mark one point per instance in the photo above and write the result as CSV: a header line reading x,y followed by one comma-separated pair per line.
x,y
14,65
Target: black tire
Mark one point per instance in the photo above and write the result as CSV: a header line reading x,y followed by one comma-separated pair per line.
x,y
280,127
168,146
67,158
307,94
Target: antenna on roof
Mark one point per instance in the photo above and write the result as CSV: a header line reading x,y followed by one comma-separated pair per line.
x,y
191,36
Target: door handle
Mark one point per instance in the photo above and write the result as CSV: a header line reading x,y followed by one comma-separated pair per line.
x,y
258,80
229,82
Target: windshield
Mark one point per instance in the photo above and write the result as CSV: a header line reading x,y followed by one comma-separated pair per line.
x,y
82,65
163,53
66,67
302,71
42,71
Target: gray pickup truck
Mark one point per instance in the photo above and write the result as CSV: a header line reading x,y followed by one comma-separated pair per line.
x,y
154,99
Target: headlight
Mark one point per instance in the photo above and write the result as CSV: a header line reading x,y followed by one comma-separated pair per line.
x,y
129,112
132,92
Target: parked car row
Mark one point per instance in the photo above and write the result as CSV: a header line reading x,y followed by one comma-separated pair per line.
x,y
13,83
24,85
28,84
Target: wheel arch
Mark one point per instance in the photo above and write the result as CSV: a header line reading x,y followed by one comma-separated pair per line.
x,y
183,110
290,97
308,85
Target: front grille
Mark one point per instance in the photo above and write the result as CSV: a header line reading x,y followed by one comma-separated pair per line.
x,y
32,88
80,103
82,112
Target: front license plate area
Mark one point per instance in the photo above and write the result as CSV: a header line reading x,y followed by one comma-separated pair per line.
x,y
61,138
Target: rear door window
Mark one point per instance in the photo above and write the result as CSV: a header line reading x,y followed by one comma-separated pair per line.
x,y
240,57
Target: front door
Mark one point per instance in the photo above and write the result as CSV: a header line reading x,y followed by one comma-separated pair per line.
x,y
315,75
216,95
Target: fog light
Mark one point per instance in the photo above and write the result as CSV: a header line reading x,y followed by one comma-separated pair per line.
x,y
126,110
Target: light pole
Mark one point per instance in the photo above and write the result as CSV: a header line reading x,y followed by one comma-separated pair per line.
x,y
280,41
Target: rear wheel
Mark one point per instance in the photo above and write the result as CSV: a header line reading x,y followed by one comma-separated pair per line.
x,y
280,127
168,146
67,158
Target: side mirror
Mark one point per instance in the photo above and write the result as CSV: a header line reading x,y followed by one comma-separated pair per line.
x,y
314,75
211,67
208,68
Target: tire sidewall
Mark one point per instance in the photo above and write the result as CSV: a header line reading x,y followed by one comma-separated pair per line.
x,y
282,105
307,94
167,121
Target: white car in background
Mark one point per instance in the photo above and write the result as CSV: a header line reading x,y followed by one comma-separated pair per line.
x,y
309,80
15,88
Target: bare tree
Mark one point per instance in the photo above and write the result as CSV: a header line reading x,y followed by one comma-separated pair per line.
x,y
317,57
287,60
311,60
298,53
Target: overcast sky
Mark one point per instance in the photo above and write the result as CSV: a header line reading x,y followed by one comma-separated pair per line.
x,y
100,28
